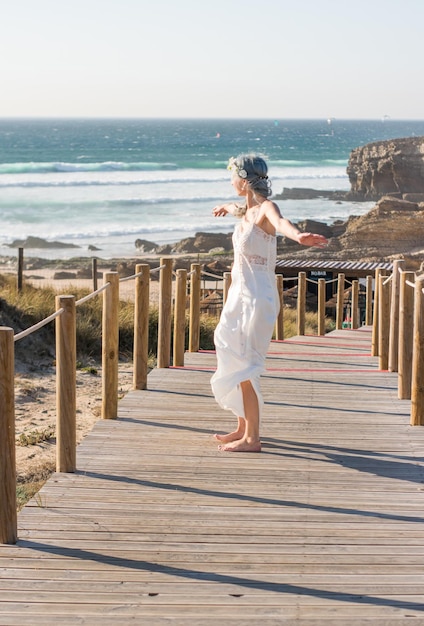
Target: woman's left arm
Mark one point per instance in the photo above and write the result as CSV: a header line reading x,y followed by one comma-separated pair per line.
x,y
284,226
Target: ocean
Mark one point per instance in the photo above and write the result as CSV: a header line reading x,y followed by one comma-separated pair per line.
x,y
106,183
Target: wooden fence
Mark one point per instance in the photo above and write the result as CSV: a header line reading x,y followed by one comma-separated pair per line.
x,y
396,314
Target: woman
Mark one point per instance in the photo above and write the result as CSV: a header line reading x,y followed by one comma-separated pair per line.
x,y
247,321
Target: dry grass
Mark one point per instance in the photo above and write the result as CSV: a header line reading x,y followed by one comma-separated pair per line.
x,y
29,485
311,323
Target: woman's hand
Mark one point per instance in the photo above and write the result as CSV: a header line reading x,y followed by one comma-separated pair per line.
x,y
312,239
220,211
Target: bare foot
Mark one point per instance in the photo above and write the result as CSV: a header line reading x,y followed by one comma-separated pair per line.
x,y
242,446
235,436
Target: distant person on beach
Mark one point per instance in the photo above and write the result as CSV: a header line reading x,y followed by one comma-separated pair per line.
x,y
247,320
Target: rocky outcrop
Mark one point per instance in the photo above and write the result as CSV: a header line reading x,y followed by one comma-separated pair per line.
x,y
145,246
37,242
309,226
394,228
393,167
200,243
391,229
205,242
306,193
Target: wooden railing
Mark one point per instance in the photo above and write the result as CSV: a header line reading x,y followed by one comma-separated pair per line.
x,y
397,319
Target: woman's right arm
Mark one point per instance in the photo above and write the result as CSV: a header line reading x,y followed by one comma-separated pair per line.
x,y
223,209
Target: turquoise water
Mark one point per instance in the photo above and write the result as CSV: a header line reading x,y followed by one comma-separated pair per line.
x,y
108,182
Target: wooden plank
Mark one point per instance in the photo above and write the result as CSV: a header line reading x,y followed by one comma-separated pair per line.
x,y
325,526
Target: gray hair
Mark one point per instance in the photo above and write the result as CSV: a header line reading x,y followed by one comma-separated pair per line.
x,y
252,168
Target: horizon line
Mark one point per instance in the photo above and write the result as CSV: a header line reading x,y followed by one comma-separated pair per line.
x,y
329,119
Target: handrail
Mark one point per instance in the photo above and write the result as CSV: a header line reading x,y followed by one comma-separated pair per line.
x,y
392,294
408,282
157,269
124,279
214,276
38,325
92,294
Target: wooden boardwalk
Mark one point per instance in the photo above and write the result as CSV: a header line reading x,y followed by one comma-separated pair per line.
x,y
324,528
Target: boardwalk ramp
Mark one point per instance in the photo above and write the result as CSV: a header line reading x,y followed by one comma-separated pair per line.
x,y
324,528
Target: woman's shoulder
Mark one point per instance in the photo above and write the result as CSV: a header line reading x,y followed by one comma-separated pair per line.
x,y
268,211
269,205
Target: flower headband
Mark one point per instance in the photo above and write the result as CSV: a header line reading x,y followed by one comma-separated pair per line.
x,y
232,164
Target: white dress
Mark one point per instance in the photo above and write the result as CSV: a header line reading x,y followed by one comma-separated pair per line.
x,y
247,320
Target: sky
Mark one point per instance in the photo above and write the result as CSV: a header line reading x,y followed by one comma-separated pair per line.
x,y
212,59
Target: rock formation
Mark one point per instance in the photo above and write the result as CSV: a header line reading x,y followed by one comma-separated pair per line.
x,y
306,193
145,246
394,228
201,242
37,242
393,167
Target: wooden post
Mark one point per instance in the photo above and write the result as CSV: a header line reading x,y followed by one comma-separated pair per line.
x,y
279,324
417,389
66,405
301,303
355,304
20,282
110,346
165,314
340,301
94,272
368,301
321,306
141,325
384,323
194,328
8,515
406,335
180,317
394,317
226,286
375,319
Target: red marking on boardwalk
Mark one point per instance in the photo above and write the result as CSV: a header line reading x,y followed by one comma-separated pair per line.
x,y
271,354
323,369
197,368
286,369
321,344
320,354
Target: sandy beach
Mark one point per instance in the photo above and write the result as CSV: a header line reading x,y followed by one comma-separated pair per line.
x,y
35,413
59,278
